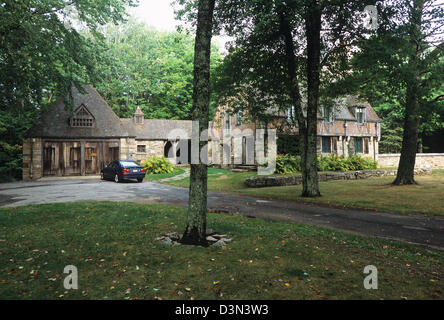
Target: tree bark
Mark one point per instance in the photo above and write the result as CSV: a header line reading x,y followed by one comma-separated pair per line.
x,y
313,34
195,232
406,168
307,144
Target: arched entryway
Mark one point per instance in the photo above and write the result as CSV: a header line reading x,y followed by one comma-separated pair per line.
x,y
178,151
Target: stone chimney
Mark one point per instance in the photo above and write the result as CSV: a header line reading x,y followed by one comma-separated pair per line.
x,y
138,116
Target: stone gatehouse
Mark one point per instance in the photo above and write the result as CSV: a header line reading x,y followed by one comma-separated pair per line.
x,y
83,142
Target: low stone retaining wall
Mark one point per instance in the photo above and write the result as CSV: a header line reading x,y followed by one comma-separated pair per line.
x,y
274,181
423,160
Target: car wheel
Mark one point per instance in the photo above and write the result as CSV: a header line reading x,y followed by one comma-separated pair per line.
x,y
116,178
139,179
101,176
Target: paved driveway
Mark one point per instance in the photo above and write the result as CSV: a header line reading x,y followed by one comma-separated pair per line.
x,y
424,231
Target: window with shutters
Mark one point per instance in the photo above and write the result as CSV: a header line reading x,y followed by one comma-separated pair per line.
x,y
82,118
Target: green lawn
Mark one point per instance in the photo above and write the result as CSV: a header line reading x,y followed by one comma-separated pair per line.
x,y
426,198
113,247
157,177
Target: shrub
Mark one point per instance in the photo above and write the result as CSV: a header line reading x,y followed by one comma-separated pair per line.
x,y
356,162
158,165
332,163
340,163
288,164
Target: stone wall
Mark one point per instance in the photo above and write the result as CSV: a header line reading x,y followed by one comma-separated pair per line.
x,y
128,149
34,170
274,181
423,160
152,148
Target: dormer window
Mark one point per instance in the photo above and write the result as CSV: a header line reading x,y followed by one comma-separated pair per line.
x,y
328,114
139,119
360,115
82,118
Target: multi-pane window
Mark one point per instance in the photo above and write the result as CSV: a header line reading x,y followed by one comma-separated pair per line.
x,y
141,148
326,144
360,115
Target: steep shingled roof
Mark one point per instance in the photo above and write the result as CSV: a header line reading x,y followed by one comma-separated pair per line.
x,y
342,109
55,123
344,106
153,129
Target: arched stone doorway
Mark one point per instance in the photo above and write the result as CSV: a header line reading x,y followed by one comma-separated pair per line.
x,y
178,152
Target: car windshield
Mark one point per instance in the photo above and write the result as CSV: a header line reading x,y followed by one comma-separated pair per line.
x,y
129,164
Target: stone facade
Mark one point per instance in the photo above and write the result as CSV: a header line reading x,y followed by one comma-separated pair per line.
x,y
32,159
151,149
423,160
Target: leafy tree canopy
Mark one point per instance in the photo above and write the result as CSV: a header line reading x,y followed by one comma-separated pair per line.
x,y
42,53
149,69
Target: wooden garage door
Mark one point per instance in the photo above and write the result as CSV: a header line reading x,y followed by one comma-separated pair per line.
x,y
98,155
61,158
50,158
65,158
91,157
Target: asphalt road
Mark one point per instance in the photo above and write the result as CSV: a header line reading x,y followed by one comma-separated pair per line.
x,y
423,231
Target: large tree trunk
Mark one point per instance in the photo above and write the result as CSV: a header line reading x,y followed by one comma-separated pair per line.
x,y
195,232
406,168
313,33
307,142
